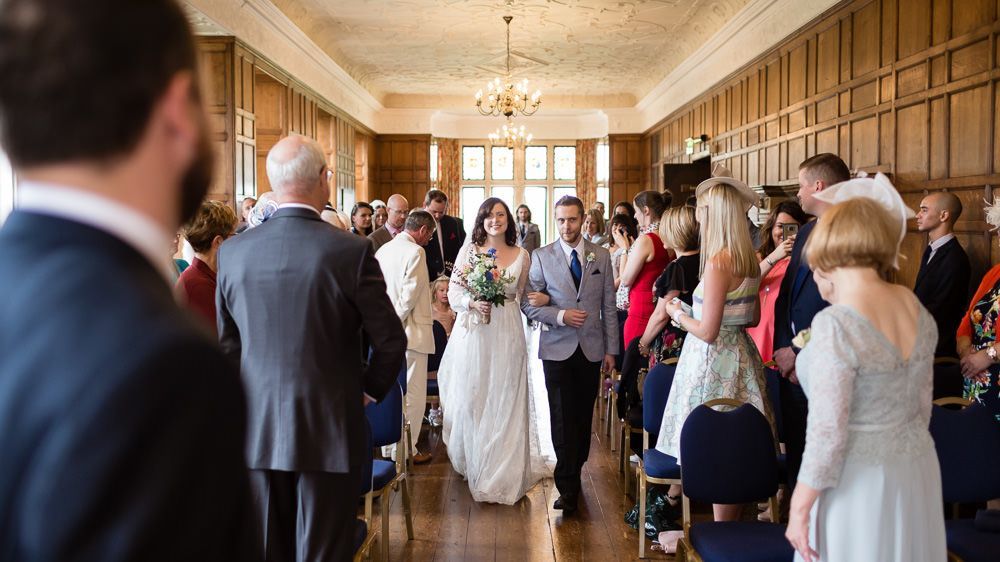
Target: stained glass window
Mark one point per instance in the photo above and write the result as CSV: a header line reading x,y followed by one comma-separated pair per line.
x,y
536,162
564,162
474,162
472,198
502,163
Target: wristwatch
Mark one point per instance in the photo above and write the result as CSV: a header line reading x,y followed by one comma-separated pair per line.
x,y
991,352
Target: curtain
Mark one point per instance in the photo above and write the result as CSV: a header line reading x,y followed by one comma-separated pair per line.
x,y
450,173
586,171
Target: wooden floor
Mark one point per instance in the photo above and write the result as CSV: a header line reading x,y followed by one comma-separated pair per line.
x,y
449,525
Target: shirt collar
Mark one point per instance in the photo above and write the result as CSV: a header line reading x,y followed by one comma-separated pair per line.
x,y
568,250
298,206
393,231
121,221
203,268
936,245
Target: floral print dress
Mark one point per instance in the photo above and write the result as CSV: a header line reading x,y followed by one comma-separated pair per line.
x,y
983,388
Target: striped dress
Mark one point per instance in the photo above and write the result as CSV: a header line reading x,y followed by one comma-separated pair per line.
x,y
728,368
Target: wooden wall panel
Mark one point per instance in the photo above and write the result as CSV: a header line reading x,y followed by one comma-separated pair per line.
x,y
627,164
403,167
905,87
215,78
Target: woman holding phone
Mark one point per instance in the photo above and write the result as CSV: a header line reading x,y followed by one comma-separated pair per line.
x,y
777,235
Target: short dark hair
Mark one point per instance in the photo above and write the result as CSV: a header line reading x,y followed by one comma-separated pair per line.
x,y
571,201
526,208
80,79
418,218
479,231
628,207
435,195
214,218
827,167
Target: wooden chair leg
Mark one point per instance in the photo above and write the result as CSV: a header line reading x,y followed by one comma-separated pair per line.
x,y
641,485
368,509
385,525
406,509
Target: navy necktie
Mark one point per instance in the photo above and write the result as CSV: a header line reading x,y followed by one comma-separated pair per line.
x,y
575,269
927,256
522,231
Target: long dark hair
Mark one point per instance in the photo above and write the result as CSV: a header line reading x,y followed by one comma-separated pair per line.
x,y
357,207
628,206
790,208
479,231
627,222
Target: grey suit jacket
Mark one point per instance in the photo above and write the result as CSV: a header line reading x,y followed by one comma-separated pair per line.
x,y
532,238
550,274
293,298
379,238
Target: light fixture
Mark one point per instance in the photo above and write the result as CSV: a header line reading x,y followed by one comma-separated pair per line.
x,y
510,135
507,98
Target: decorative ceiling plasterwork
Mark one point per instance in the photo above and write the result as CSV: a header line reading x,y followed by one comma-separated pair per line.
x,y
576,49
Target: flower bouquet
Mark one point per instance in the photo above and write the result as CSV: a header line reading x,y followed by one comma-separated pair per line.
x,y
484,279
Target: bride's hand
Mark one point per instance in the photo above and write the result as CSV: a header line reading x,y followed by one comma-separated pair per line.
x,y
484,307
537,299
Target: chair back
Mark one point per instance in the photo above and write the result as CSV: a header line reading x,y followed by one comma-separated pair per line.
x,y
401,378
440,341
655,391
728,457
968,449
386,418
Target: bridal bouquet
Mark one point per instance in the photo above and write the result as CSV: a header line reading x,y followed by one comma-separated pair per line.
x,y
484,279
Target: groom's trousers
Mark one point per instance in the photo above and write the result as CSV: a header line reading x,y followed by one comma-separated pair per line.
x,y
572,387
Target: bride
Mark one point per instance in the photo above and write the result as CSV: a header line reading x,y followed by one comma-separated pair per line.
x,y
490,420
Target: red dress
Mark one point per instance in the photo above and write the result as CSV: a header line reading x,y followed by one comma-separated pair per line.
x,y
640,295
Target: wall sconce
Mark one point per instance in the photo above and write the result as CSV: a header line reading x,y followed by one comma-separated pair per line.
x,y
690,142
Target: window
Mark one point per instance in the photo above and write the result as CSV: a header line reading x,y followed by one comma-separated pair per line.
x,y
564,163
535,160
604,196
502,165
7,184
520,176
434,164
472,198
473,163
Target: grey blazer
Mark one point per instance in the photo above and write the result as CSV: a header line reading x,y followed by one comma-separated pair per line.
x,y
294,296
379,238
532,238
550,274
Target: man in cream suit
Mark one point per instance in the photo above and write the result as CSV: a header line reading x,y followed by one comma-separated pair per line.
x,y
404,267
581,338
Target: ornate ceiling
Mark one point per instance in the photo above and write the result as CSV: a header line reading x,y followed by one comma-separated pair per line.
x,y
436,49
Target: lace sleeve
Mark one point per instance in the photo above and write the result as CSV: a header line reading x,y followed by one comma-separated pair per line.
x,y
522,276
831,367
458,296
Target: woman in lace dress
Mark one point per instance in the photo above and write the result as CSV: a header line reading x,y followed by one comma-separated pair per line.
x,y
718,359
870,485
490,425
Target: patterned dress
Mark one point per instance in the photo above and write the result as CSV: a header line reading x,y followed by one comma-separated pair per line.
x,y
680,275
728,368
980,326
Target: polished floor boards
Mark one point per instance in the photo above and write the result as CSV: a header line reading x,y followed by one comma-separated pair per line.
x,y
449,525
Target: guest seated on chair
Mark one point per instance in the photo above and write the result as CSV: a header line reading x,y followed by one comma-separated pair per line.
x,y
214,222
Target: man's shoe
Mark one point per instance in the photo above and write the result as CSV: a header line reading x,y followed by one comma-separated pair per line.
x,y
566,504
422,458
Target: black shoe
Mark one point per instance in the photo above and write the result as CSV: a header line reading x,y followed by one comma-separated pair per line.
x,y
566,504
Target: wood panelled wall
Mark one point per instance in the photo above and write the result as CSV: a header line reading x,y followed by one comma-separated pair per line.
x,y
906,87
629,166
252,104
403,167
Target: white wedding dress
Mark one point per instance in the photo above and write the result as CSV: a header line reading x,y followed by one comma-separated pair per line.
x,y
489,399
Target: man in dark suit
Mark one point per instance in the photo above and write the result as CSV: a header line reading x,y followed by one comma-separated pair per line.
x,y
290,299
798,302
943,280
121,422
448,236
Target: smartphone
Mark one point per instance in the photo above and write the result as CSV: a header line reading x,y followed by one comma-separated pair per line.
x,y
789,230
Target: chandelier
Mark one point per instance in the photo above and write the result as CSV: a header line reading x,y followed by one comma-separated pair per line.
x,y
510,135
507,98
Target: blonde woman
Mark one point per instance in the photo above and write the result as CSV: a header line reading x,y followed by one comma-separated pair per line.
x,y
440,307
718,360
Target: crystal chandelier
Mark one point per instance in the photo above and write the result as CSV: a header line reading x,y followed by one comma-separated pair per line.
x,y
507,98
510,136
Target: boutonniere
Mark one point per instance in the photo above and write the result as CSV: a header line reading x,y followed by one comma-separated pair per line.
x,y
452,237
802,339
591,257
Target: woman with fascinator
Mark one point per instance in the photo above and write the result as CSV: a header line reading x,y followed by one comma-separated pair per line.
x,y
870,484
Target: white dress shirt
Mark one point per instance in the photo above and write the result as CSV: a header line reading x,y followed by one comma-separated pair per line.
x,y
936,245
298,206
568,251
121,221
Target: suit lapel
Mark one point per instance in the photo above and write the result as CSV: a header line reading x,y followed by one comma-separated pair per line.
x,y
563,274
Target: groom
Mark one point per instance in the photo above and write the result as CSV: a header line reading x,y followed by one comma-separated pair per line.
x,y
581,338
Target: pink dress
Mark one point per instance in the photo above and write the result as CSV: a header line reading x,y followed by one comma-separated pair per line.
x,y
763,333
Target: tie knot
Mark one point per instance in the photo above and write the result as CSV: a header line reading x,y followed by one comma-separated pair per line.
x,y
573,253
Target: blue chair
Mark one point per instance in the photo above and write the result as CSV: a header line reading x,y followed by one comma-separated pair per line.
x,y
968,448
655,467
729,458
386,421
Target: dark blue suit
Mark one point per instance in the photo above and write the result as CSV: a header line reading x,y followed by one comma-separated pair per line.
x,y
797,305
121,422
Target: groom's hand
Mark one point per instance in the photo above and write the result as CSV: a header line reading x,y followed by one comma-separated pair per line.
x,y
609,364
574,318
